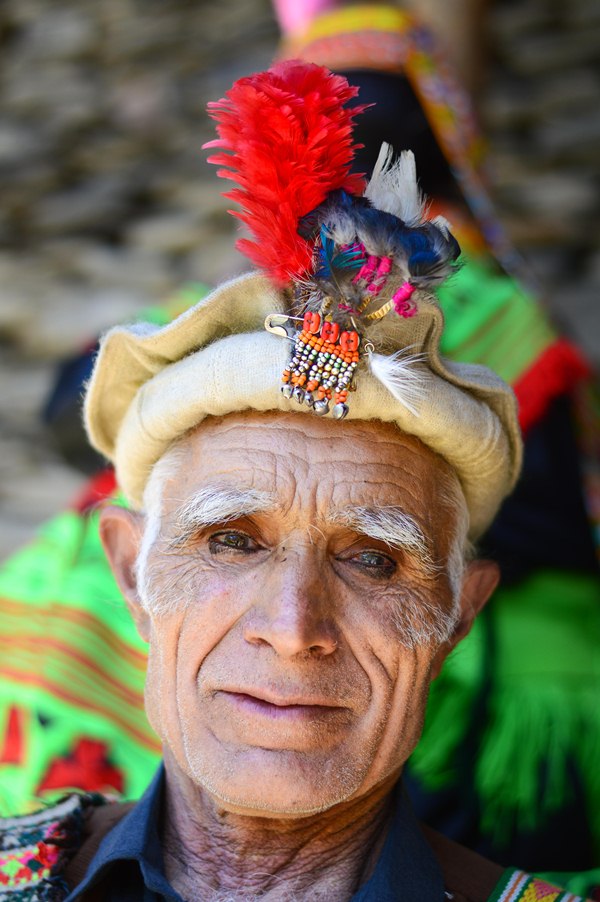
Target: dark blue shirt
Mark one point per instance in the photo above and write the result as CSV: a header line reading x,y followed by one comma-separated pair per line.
x,y
129,862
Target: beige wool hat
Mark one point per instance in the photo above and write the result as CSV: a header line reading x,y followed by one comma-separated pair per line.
x,y
341,321
151,385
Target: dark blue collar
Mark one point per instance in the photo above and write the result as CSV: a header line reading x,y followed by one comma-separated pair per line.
x,y
134,839
406,869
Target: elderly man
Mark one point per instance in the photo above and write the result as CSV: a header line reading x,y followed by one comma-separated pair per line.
x,y
299,580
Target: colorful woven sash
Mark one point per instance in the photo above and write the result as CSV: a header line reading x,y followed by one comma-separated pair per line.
x,y
517,886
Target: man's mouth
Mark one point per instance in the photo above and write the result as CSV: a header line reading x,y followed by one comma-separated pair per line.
x,y
290,708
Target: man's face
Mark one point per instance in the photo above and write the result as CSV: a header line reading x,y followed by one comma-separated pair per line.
x,y
281,674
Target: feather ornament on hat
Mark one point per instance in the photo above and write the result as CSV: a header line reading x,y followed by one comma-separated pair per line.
x,y
351,254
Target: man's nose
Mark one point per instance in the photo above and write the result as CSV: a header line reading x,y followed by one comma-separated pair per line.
x,y
294,614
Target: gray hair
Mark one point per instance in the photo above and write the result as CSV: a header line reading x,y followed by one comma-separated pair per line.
x,y
422,621
153,510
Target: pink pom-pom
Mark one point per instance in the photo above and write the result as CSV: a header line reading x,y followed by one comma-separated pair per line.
x,y
367,269
401,301
383,269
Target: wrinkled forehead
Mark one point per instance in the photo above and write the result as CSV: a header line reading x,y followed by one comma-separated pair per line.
x,y
310,467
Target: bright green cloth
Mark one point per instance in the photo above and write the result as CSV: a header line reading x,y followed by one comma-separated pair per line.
x,y
490,319
536,647
71,662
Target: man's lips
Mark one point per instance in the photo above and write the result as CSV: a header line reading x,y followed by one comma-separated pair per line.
x,y
293,707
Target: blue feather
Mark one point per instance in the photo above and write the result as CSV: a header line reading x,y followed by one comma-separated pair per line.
x,y
333,258
351,259
425,253
422,262
325,254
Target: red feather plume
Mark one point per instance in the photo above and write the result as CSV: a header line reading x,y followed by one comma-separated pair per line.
x,y
288,142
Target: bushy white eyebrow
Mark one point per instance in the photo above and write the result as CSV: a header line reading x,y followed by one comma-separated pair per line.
x,y
391,525
214,505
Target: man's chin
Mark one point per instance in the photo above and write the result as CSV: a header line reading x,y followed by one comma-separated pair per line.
x,y
256,805
273,783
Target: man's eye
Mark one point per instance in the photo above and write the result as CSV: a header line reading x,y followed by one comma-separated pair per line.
x,y
232,541
375,563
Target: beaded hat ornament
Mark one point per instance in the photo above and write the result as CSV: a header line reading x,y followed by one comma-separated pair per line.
x,y
348,254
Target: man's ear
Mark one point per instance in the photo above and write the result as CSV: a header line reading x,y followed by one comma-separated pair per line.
x,y
121,534
479,582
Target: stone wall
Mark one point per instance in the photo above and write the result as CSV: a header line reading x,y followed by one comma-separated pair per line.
x,y
542,112
107,204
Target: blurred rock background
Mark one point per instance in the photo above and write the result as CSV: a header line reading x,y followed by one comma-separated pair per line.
x,y
107,205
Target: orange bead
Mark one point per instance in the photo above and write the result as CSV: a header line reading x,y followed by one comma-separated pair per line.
x,y
312,321
330,331
349,341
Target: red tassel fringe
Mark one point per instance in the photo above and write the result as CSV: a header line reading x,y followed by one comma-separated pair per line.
x,y
288,142
96,490
557,371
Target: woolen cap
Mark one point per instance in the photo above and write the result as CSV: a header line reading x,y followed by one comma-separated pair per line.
x,y
151,385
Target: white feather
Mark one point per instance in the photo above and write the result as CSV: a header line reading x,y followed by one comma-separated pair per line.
x,y
402,377
442,223
393,187
341,228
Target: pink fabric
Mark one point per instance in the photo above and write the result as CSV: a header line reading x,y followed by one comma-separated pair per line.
x,y
383,268
294,16
367,270
401,301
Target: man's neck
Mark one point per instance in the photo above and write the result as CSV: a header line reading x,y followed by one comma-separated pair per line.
x,y
212,855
